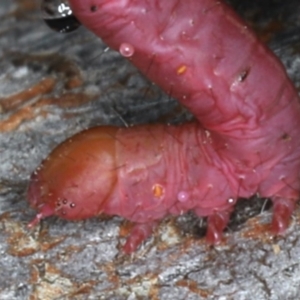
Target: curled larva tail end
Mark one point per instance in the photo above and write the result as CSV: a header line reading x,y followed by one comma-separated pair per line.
x,y
44,211
282,211
216,224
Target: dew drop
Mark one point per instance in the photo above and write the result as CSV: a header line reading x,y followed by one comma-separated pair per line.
x,y
126,50
183,196
230,200
72,205
65,201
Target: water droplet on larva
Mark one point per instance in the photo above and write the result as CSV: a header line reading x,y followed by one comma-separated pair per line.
x,y
126,50
65,201
183,196
72,205
230,200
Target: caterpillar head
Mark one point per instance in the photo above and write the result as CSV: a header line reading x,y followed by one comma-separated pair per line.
x,y
77,178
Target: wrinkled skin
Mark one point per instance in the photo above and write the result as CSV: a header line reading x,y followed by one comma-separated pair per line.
x,y
248,111
95,172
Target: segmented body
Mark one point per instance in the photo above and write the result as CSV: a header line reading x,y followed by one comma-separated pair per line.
x,y
247,109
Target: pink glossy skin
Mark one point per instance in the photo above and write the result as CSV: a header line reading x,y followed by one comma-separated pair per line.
x,y
201,53
139,173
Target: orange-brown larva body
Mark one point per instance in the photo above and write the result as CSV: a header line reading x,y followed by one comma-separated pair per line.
x,y
66,179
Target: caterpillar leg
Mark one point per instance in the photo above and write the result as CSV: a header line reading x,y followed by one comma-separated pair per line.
x,y
282,211
216,224
139,233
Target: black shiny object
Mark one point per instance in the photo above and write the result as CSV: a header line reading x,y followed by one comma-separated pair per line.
x,y
58,15
64,24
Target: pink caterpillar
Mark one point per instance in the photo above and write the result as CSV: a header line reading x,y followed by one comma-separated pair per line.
x,y
246,140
